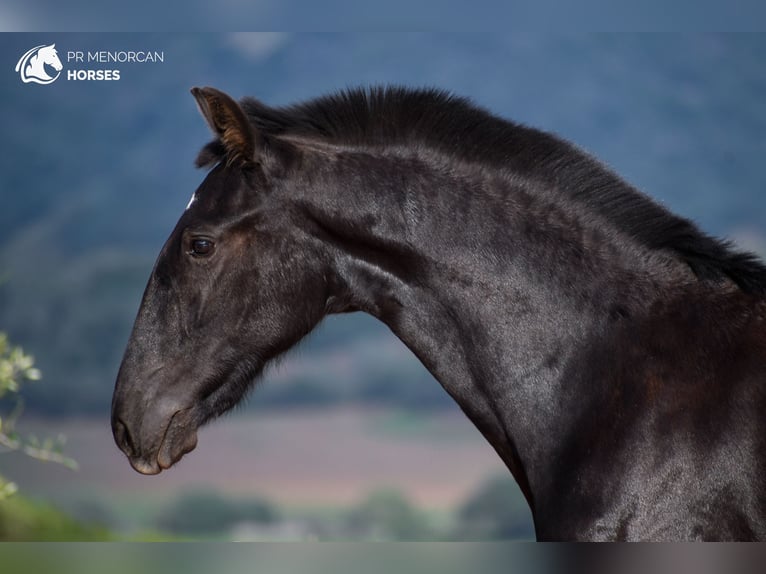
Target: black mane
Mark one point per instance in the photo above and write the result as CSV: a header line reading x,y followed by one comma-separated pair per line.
x,y
382,116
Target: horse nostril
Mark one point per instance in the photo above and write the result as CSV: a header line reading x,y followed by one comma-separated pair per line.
x,y
123,439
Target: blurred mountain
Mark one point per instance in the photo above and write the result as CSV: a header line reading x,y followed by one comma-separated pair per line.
x,y
93,175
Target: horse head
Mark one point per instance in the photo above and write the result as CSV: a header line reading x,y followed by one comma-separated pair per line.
x,y
236,283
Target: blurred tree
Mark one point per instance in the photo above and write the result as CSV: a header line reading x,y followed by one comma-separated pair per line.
x,y
16,369
388,515
206,512
496,511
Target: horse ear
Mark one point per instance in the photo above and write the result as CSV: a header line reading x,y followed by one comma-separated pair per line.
x,y
229,122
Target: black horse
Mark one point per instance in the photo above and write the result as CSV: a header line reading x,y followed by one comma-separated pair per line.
x,y
612,353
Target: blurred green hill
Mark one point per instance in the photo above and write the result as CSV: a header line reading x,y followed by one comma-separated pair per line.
x,y
23,519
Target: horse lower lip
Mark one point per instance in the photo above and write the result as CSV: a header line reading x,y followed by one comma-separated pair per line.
x,y
180,438
170,453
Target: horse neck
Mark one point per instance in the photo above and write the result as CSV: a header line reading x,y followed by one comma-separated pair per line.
x,y
494,287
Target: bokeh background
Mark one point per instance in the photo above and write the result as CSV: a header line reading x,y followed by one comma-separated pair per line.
x,y
349,438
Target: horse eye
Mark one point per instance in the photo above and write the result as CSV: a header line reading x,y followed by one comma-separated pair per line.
x,y
201,247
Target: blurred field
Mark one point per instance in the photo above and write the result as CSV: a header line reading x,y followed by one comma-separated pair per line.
x,y
311,457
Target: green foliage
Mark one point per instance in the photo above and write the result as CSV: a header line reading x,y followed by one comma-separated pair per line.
x,y
22,519
16,369
207,512
497,511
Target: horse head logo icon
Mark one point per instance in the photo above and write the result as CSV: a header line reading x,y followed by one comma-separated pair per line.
x,y
32,65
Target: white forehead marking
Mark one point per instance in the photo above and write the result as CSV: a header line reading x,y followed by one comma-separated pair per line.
x,y
192,200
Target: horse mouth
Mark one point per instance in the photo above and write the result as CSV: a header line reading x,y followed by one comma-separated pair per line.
x,y
179,439
179,434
